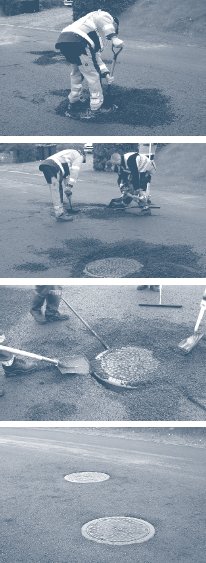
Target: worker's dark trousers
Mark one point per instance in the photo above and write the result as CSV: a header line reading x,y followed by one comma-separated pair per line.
x,y
51,301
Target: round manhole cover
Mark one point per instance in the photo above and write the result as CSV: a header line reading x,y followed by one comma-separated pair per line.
x,y
86,477
113,268
125,367
118,530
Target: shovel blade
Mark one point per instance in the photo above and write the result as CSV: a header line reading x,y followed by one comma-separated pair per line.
x,y
188,344
74,365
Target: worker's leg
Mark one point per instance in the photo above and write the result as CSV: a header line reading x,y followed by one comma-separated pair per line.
x,y
92,78
52,313
76,84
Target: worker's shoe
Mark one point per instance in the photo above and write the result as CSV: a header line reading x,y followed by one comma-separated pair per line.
x,y
53,317
38,316
140,287
64,218
91,115
73,110
18,366
154,287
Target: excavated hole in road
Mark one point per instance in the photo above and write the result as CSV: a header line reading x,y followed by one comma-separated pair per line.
x,y
87,477
118,530
148,107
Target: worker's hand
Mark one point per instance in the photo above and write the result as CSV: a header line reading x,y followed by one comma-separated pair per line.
x,y
109,79
203,304
117,43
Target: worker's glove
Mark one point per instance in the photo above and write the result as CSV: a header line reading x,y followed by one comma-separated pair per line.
x,y
117,43
203,304
2,338
68,191
109,79
56,291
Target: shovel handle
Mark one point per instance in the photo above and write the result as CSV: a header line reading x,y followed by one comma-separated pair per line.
x,y
86,324
199,318
28,354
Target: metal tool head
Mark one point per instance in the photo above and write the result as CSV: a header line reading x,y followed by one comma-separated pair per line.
x,y
76,364
189,343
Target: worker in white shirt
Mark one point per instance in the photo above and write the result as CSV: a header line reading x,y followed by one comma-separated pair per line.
x,y
61,171
81,43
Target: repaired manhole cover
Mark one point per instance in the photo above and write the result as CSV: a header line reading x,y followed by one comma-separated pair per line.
x,y
118,530
113,268
125,367
86,477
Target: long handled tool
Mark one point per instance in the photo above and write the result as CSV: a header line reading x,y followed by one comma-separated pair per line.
x,y
160,304
66,365
189,343
85,324
111,75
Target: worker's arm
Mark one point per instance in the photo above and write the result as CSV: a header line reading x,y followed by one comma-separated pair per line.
x,y
74,170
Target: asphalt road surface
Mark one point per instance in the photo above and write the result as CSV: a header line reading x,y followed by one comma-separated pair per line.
x,y
169,243
159,80
174,390
42,514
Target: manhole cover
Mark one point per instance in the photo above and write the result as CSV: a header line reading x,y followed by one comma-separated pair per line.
x,y
125,367
118,530
113,268
86,477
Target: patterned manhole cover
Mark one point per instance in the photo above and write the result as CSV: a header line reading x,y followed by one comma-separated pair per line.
x,y
86,477
125,367
113,268
118,530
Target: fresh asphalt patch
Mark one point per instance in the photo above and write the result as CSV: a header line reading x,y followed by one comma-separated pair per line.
x,y
47,57
158,260
50,396
149,106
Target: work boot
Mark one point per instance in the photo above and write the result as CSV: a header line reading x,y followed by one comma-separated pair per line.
x,y
18,366
154,287
91,115
38,316
63,218
73,110
56,316
140,287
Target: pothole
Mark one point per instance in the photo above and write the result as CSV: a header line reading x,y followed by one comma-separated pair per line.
x,y
125,367
113,268
118,530
87,477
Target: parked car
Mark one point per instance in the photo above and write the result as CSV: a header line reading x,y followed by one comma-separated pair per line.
x,y
88,148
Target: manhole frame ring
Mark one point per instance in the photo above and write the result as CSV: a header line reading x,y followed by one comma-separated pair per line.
x,y
150,535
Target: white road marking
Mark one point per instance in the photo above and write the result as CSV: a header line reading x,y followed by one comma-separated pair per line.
x,y
27,27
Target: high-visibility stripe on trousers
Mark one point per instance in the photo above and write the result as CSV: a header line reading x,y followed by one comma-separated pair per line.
x,y
88,71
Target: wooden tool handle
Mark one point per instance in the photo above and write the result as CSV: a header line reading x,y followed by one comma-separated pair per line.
x,y
28,354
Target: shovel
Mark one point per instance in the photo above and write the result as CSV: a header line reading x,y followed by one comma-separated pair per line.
x,y
189,343
108,103
68,364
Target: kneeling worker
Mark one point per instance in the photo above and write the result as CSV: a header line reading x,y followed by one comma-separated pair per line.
x,y
61,171
134,174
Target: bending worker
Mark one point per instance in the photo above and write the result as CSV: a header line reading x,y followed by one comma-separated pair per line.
x,y
81,44
134,177
61,171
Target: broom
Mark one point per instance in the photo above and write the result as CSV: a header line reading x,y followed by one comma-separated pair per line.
x,y
160,304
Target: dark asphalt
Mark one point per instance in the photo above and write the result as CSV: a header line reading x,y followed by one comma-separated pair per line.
x,y
169,243
159,80
175,390
42,514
